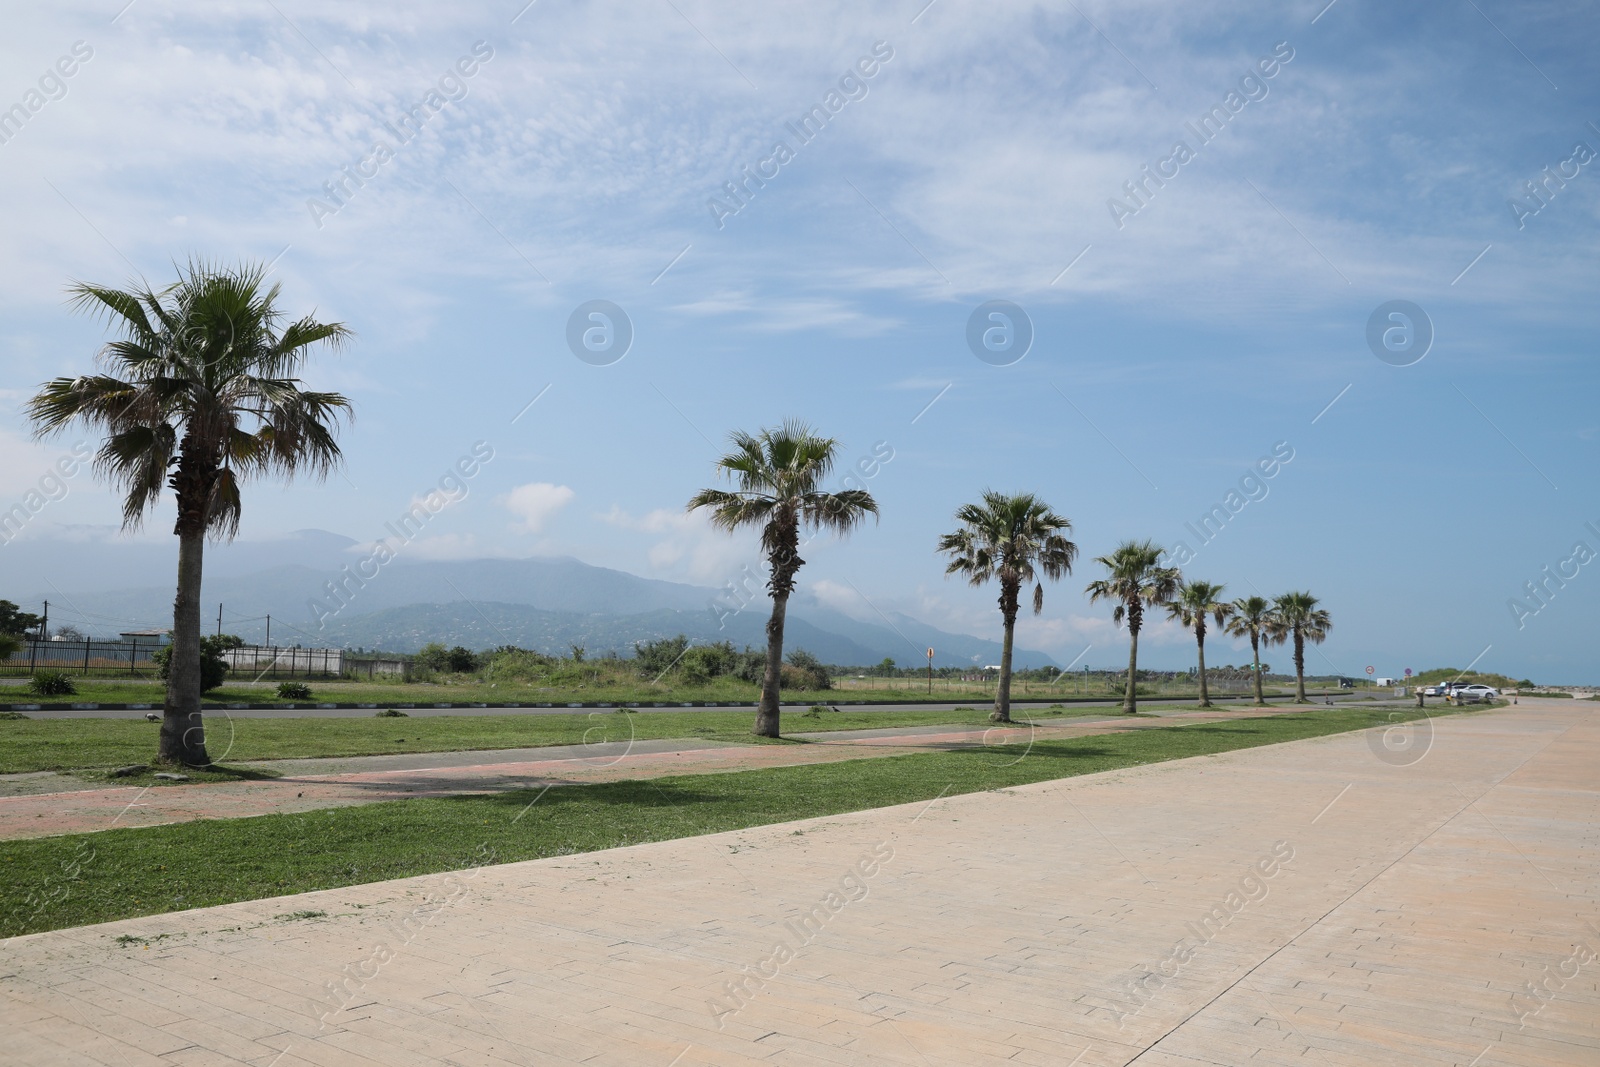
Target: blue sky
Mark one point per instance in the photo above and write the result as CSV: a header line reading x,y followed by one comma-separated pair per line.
x,y
979,162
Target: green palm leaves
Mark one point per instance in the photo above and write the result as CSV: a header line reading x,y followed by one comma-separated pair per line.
x,y
1296,618
201,379
1252,617
198,392
1015,540
1195,601
778,477
1134,579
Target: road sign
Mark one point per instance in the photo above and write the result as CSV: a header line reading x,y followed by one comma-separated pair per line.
x,y
1408,672
1369,668
930,653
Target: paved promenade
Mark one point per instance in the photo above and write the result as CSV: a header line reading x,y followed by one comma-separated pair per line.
x,y
1352,900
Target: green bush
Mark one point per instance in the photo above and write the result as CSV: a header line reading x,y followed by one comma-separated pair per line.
x,y
213,668
811,672
391,713
652,659
52,684
458,660
294,691
750,666
696,665
507,664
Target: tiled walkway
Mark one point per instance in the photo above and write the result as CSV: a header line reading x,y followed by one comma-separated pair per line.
x,y
1335,901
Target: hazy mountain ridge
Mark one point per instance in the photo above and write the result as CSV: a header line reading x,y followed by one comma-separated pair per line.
x,y
543,603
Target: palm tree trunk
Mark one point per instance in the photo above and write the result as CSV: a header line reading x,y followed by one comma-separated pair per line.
x,y
183,738
1200,645
1002,693
1130,700
772,680
1300,668
1255,651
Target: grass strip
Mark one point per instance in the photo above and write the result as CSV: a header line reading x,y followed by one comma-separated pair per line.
x,y
74,744
387,694
72,880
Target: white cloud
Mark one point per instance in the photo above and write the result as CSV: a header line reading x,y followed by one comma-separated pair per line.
x,y
688,547
841,598
536,503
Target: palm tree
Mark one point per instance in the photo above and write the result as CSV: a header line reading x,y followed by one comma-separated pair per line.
x,y
1134,578
1252,618
198,394
1196,600
1016,539
1296,616
779,474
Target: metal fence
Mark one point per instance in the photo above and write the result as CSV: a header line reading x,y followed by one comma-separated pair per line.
x,y
135,657
113,657
274,662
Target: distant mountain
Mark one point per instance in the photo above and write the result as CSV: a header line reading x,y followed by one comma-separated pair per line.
x,y
484,624
544,603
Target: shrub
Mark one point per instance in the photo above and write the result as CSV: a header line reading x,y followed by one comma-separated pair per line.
x,y
508,664
440,659
391,713
52,684
811,672
457,660
750,666
294,691
213,668
693,672
653,659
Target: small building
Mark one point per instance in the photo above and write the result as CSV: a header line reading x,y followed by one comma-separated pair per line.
x,y
1383,683
147,637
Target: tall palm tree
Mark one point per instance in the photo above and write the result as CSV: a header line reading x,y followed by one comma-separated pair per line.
x,y
1295,616
1252,617
1195,601
779,475
1134,578
199,394
1016,539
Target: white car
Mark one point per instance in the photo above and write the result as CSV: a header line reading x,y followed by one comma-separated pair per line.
x,y
1476,692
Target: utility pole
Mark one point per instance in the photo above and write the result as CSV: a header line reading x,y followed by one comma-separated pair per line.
x,y
219,620
269,633
44,628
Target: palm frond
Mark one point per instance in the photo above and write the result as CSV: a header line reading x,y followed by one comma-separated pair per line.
x,y
196,371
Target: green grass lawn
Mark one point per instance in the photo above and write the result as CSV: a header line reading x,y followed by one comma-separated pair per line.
x,y
384,694
244,691
77,744
71,880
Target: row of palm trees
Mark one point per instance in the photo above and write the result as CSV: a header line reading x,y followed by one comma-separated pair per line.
x,y
1015,540
200,392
